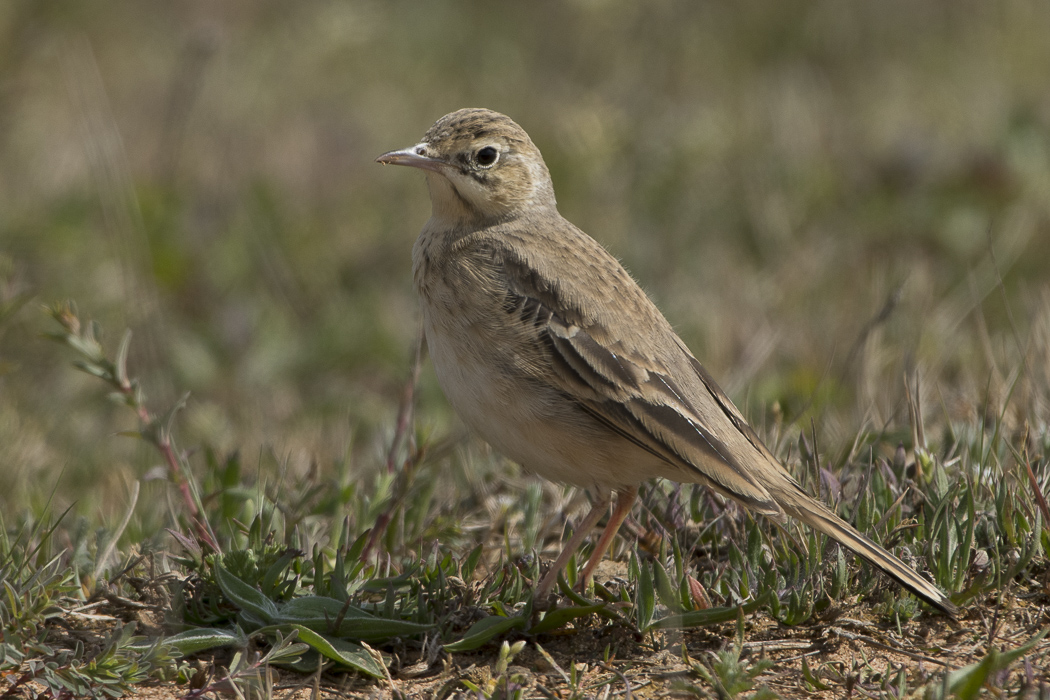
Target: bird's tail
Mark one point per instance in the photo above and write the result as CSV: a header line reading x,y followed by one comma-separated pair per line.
x,y
798,504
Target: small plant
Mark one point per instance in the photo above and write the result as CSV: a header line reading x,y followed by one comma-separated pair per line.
x,y
970,681
727,674
501,685
86,341
250,676
39,588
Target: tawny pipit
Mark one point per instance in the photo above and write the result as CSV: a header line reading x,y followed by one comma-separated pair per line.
x,y
548,349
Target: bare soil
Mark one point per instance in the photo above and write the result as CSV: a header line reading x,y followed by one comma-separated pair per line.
x,y
847,651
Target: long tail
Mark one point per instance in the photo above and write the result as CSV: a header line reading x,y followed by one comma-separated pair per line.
x,y
799,504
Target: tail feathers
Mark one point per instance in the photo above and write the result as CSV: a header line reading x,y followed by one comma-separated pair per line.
x,y
817,516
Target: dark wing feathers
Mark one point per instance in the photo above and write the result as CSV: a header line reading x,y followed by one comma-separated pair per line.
x,y
630,394
599,368
727,406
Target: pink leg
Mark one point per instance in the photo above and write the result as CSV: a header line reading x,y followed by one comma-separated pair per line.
x,y
584,529
624,501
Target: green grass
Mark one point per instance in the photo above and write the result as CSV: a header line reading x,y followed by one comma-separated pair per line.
x,y
844,212
348,578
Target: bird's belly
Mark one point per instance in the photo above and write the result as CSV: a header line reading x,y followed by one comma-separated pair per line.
x,y
527,421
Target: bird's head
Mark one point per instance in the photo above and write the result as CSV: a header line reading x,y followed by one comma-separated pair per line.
x,y
480,167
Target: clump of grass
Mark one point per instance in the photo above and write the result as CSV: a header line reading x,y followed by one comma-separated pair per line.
x,y
40,590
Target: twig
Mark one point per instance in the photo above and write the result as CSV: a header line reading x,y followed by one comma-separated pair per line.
x,y
155,430
885,647
1039,498
406,407
874,322
411,460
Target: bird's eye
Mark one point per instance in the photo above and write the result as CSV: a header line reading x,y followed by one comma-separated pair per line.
x,y
487,156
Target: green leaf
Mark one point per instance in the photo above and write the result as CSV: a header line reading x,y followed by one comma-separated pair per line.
x,y
485,630
278,569
962,557
966,683
379,629
198,640
810,678
470,564
161,427
321,614
309,606
663,587
306,663
92,369
712,616
244,596
347,653
644,598
558,618
839,575
754,545
120,366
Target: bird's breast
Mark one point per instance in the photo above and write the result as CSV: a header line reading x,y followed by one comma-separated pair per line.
x,y
496,374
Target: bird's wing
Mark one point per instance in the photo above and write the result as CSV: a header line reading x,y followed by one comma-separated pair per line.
x,y
726,405
644,383
631,391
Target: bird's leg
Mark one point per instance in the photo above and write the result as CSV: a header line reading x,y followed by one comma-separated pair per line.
x,y
584,528
624,501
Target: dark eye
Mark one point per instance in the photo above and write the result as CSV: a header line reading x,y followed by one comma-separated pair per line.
x,y
487,156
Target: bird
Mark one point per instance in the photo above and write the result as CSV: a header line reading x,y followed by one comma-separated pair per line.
x,y
550,351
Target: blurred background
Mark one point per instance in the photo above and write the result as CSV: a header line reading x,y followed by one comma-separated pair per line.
x,y
822,197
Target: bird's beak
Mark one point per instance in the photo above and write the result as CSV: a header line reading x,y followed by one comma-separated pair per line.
x,y
412,157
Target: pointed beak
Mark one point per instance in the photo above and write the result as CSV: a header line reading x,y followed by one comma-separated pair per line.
x,y
412,157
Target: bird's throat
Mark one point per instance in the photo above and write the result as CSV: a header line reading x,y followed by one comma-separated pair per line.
x,y
448,205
